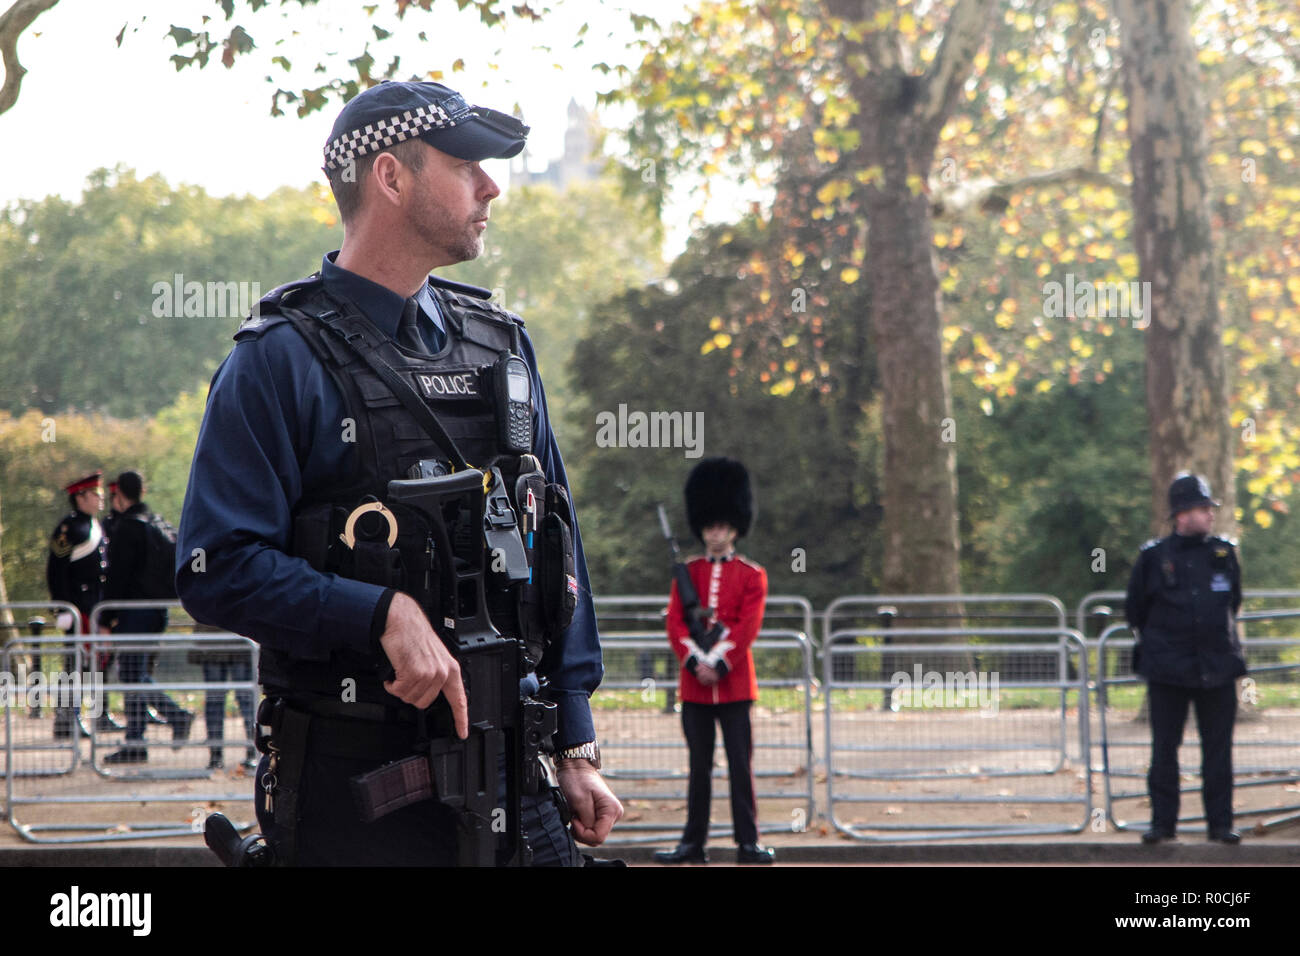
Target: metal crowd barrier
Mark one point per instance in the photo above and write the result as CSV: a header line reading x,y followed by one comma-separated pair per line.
x,y
1095,602
935,723
1266,736
120,799
856,607
18,672
644,755
633,612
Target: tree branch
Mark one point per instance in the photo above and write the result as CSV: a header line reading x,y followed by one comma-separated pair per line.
x,y
994,197
881,47
12,24
1101,116
952,64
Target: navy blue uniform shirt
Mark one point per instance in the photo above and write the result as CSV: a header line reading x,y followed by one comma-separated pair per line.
x,y
271,433
1183,598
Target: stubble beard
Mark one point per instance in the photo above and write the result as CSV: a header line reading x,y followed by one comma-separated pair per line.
x,y
459,241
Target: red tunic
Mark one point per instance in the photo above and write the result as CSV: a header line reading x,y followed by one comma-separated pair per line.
x,y
736,589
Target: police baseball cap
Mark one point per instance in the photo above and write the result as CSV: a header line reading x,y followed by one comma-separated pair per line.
x,y
1189,491
395,111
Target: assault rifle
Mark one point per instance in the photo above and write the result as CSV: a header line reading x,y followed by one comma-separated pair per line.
x,y
696,616
464,774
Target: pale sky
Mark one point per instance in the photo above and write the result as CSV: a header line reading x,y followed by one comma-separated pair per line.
x,y
87,103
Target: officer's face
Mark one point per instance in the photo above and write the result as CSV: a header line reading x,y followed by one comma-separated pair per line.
x,y
448,209
1196,520
90,501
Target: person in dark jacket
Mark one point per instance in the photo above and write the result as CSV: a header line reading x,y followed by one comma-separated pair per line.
x,y
127,581
1183,598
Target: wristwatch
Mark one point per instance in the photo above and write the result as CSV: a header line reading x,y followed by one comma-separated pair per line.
x,y
590,752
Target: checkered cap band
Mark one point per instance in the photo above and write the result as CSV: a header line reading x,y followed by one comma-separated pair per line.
x,y
380,135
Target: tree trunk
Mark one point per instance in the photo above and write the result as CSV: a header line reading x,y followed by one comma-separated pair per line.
x,y
921,547
899,119
1187,386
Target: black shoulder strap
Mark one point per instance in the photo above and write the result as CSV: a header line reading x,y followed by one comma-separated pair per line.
x,y
360,335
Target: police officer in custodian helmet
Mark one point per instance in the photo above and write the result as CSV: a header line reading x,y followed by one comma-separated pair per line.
x,y
1183,598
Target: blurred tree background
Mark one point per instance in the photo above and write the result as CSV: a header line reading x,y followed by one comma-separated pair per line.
x,y
761,323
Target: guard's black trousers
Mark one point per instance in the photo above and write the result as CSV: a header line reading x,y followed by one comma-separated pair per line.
x,y
738,741
1216,711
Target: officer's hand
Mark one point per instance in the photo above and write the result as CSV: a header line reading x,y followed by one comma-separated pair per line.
x,y
706,675
595,808
422,663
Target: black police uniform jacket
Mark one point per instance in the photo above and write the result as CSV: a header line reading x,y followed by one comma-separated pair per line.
x,y
390,441
77,562
1183,598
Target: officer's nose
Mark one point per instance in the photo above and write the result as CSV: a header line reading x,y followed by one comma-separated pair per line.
x,y
487,187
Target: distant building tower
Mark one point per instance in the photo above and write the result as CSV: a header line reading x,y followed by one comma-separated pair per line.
x,y
577,165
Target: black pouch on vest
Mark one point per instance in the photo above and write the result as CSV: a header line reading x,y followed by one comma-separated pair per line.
x,y
376,563
559,578
311,536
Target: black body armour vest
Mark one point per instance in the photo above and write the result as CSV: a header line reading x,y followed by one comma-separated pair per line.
x,y
391,443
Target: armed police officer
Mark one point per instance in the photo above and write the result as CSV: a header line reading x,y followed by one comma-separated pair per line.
x,y
1183,598
370,372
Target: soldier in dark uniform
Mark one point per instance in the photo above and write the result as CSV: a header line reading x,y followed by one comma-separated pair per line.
x,y
327,397
1182,602
76,567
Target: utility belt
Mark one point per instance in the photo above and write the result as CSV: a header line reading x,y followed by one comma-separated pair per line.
x,y
462,774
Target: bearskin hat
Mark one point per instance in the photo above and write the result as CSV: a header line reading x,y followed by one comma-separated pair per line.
x,y
718,489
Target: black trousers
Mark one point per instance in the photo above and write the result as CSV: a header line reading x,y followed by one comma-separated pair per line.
x,y
330,833
738,741
136,667
1216,712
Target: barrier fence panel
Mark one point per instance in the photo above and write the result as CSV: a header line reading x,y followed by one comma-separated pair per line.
x,y
949,611
956,733
642,612
1098,610
1266,735
30,682
643,752
170,773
